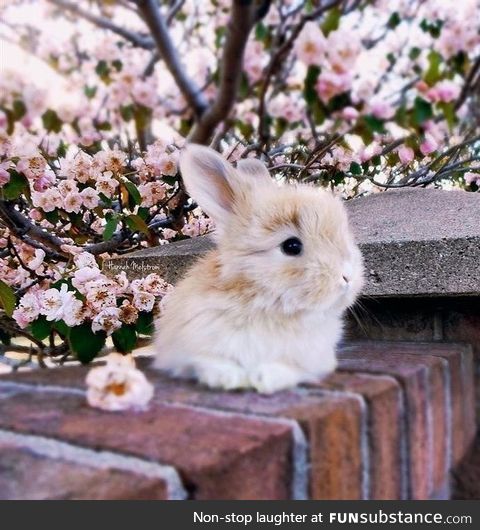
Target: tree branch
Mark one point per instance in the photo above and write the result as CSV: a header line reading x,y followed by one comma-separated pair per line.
x,y
158,27
136,39
31,234
243,16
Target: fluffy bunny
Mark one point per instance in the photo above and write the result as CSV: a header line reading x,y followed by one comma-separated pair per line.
x,y
264,309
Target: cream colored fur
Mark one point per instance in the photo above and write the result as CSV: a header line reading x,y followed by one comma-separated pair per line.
x,y
247,315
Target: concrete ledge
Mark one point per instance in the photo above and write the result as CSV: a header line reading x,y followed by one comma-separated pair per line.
x,y
416,242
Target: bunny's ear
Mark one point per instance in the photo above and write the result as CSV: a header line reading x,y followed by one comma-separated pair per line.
x,y
254,171
207,177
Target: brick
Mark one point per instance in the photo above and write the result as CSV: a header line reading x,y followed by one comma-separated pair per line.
x,y
425,414
217,456
332,424
462,324
444,319
466,475
383,397
28,475
462,393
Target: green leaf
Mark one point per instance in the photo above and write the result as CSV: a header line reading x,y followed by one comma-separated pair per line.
x,y
144,324
143,213
136,224
62,149
51,121
394,20
16,186
355,168
126,111
332,20
117,64
103,71
374,124
142,116
261,31
339,101
52,217
133,192
434,28
414,53
62,328
90,91
7,298
422,111
309,91
170,180
243,88
104,126
448,110
84,343
110,228
19,109
125,338
40,328
432,75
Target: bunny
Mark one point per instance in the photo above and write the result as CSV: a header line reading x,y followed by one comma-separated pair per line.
x,y
264,309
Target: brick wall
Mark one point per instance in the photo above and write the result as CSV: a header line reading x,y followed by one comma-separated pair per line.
x,y
391,423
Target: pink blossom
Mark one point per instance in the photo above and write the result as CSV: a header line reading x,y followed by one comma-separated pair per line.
x,y
83,276
370,151
472,178
143,301
429,145
37,260
90,198
107,320
85,259
44,181
145,93
342,50
155,285
310,44
4,174
406,154
286,107
106,184
167,164
444,91
254,60
72,202
59,304
67,186
100,294
35,214
330,84
27,310
349,113
381,109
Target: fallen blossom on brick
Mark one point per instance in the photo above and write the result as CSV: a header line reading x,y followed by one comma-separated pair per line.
x,y
118,385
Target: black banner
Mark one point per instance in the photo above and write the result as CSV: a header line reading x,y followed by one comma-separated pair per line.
x,y
200,515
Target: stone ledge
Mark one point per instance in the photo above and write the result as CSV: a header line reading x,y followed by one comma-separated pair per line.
x,y
384,426
416,242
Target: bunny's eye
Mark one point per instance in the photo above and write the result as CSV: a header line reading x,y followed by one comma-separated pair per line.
x,y
292,246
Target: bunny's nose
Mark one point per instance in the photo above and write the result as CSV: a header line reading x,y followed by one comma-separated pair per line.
x,y
346,279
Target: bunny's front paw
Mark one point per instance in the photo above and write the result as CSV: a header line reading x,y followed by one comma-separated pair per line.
x,y
268,378
221,374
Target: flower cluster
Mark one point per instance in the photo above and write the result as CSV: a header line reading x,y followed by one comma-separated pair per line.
x,y
354,96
